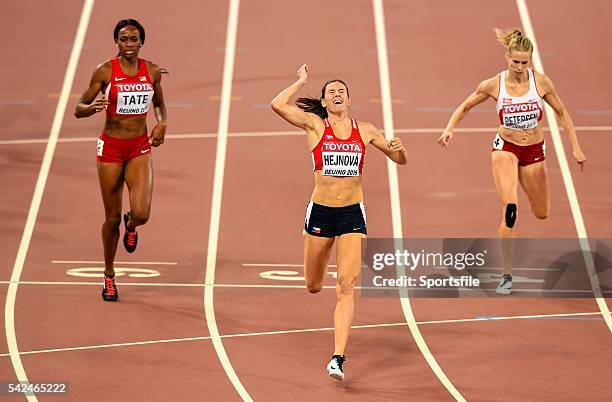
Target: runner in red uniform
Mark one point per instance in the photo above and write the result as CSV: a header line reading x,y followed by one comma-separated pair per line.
x,y
518,148
129,86
336,210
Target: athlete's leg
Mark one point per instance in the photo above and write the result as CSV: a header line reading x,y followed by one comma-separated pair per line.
x,y
316,255
348,255
139,178
110,176
505,173
534,181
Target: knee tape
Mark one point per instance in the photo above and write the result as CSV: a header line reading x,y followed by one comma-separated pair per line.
x,y
510,215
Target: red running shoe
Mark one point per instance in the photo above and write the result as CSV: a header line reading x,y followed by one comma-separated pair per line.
x,y
130,238
109,292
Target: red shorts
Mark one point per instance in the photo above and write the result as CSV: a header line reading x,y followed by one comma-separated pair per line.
x,y
526,154
122,150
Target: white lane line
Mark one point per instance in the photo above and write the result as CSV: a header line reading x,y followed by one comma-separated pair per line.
x,y
116,262
477,292
257,134
9,307
282,265
298,331
566,174
385,86
215,209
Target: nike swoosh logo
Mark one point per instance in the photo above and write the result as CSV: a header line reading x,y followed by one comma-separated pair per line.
x,y
119,78
144,151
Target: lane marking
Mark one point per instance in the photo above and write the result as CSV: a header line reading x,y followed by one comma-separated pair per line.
x,y
116,262
9,307
298,331
299,287
98,272
396,216
257,134
16,102
566,175
232,98
217,192
55,95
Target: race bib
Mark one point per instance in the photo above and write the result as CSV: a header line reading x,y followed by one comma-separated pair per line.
x,y
521,116
341,159
134,98
100,146
498,143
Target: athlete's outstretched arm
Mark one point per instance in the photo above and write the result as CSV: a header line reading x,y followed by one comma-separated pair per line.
x,y
159,107
394,149
552,98
88,104
291,113
486,89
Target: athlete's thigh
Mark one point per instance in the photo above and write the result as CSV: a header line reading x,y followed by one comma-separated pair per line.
x,y
316,255
505,173
348,255
110,176
534,181
139,178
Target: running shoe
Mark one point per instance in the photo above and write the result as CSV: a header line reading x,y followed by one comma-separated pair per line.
x,y
130,238
505,285
335,367
109,292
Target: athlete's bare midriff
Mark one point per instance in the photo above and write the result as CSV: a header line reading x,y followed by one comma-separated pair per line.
x,y
125,127
335,191
522,137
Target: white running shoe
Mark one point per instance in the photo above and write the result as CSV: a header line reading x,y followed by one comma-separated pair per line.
x,y
505,285
335,367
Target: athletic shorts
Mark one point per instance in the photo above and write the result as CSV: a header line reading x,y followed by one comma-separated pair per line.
x,y
324,221
526,154
122,150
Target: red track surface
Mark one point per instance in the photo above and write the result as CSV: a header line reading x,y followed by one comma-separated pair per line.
x,y
439,51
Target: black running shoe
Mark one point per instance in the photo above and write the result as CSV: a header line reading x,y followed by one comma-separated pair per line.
x,y
335,367
109,292
130,237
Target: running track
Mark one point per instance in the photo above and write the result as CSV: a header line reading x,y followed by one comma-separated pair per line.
x,y
437,52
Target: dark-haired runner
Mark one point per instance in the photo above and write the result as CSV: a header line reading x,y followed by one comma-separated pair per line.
x,y
337,143
127,86
518,148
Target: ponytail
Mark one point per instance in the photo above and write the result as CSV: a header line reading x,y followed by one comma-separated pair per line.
x,y
313,105
513,39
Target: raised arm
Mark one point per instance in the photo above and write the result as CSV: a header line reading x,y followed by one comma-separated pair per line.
x,y
291,113
394,149
158,132
486,89
88,104
552,98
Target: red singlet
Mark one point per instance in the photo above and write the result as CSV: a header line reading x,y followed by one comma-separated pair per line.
x,y
336,157
129,95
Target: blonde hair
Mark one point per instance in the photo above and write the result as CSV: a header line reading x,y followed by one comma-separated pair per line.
x,y
513,39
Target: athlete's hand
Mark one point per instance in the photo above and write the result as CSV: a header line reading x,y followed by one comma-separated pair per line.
x,y
302,73
157,134
396,144
580,158
446,138
99,104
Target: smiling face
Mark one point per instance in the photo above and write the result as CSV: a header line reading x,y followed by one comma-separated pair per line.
x,y
129,42
336,98
518,62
